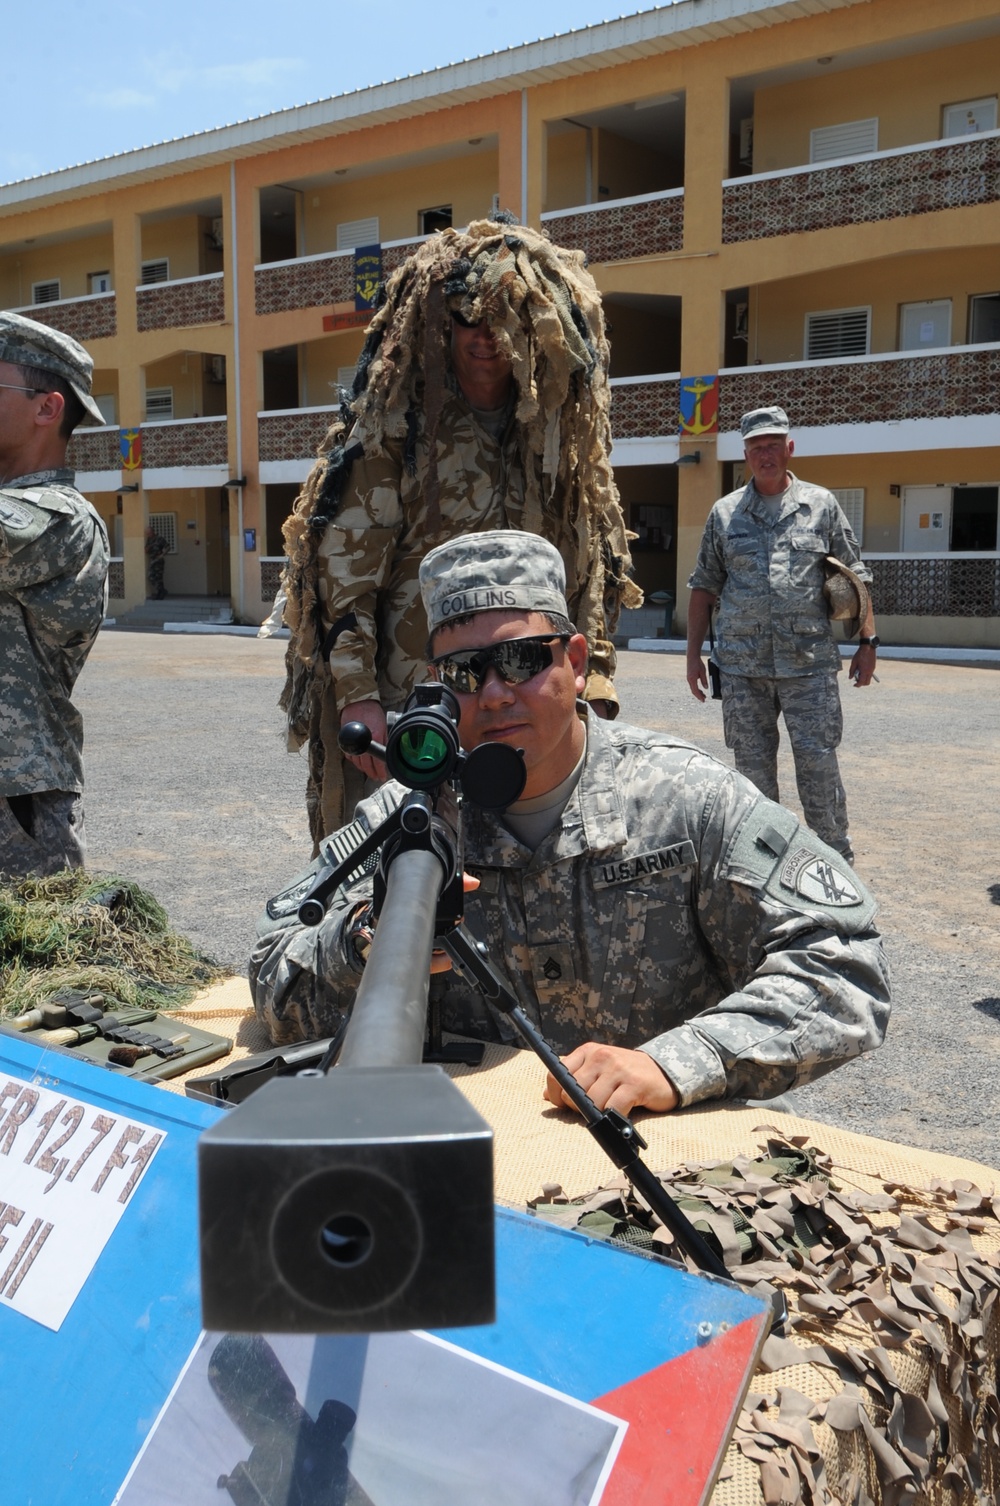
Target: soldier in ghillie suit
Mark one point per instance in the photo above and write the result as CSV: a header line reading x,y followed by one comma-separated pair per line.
x,y
481,401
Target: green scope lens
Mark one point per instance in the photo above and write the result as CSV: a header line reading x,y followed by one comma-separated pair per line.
x,y
425,755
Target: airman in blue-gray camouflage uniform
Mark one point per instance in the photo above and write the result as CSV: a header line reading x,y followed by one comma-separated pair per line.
x,y
53,575
765,558
677,934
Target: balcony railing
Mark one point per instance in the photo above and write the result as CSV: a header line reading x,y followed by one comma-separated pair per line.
x,y
186,301
649,224
316,281
956,382
116,577
935,585
292,433
184,441
907,181
271,567
92,317
644,406
94,450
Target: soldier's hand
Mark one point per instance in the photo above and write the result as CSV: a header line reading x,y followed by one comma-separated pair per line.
x,y
862,670
371,713
616,1078
697,678
440,961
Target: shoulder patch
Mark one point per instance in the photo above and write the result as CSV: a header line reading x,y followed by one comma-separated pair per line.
x,y
13,514
807,873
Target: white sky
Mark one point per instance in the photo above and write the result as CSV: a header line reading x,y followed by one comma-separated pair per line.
x,y
111,75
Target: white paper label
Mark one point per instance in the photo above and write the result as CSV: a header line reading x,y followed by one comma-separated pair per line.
x,y
67,1173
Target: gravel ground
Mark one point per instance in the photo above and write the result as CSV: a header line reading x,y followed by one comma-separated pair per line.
x,y
191,792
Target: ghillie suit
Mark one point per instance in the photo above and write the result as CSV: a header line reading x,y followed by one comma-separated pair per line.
x,y
407,466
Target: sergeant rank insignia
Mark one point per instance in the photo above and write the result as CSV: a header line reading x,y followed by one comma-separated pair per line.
x,y
816,878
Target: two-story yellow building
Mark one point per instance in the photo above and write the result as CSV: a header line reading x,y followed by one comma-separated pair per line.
x,y
792,201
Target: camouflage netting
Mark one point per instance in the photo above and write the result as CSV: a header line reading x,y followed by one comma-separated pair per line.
x,y
97,933
545,310
885,1391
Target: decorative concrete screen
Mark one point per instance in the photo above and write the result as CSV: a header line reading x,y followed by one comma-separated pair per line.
x,y
886,187
173,305
646,226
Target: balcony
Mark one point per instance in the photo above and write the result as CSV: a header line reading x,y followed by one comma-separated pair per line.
x,y
191,443
926,585
316,281
177,305
907,181
94,450
292,433
960,384
644,407
649,224
92,317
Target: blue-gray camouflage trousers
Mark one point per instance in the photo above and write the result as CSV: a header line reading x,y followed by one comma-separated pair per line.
x,y
814,720
41,834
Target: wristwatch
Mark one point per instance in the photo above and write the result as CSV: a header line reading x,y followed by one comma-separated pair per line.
x,y
873,641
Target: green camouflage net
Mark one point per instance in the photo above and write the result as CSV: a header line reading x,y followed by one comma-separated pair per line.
x,y
97,933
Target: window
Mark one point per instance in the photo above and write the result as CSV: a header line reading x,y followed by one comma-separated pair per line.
x,y
852,504
45,292
353,233
159,402
99,282
429,220
165,524
848,140
925,326
346,375
968,117
109,408
838,332
155,271
984,318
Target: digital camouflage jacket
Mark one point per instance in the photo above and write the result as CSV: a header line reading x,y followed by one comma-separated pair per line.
x,y
674,909
766,568
53,594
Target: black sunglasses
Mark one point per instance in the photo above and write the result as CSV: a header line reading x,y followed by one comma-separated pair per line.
x,y
460,318
516,661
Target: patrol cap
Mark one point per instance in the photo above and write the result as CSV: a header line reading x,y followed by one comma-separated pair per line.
x,y
764,421
25,342
504,570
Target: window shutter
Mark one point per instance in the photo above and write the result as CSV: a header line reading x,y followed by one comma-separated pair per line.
x,y
837,332
159,402
848,140
852,503
353,233
346,375
155,271
45,292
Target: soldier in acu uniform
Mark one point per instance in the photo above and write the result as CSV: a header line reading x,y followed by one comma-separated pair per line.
x,y
53,593
764,560
677,936
481,401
